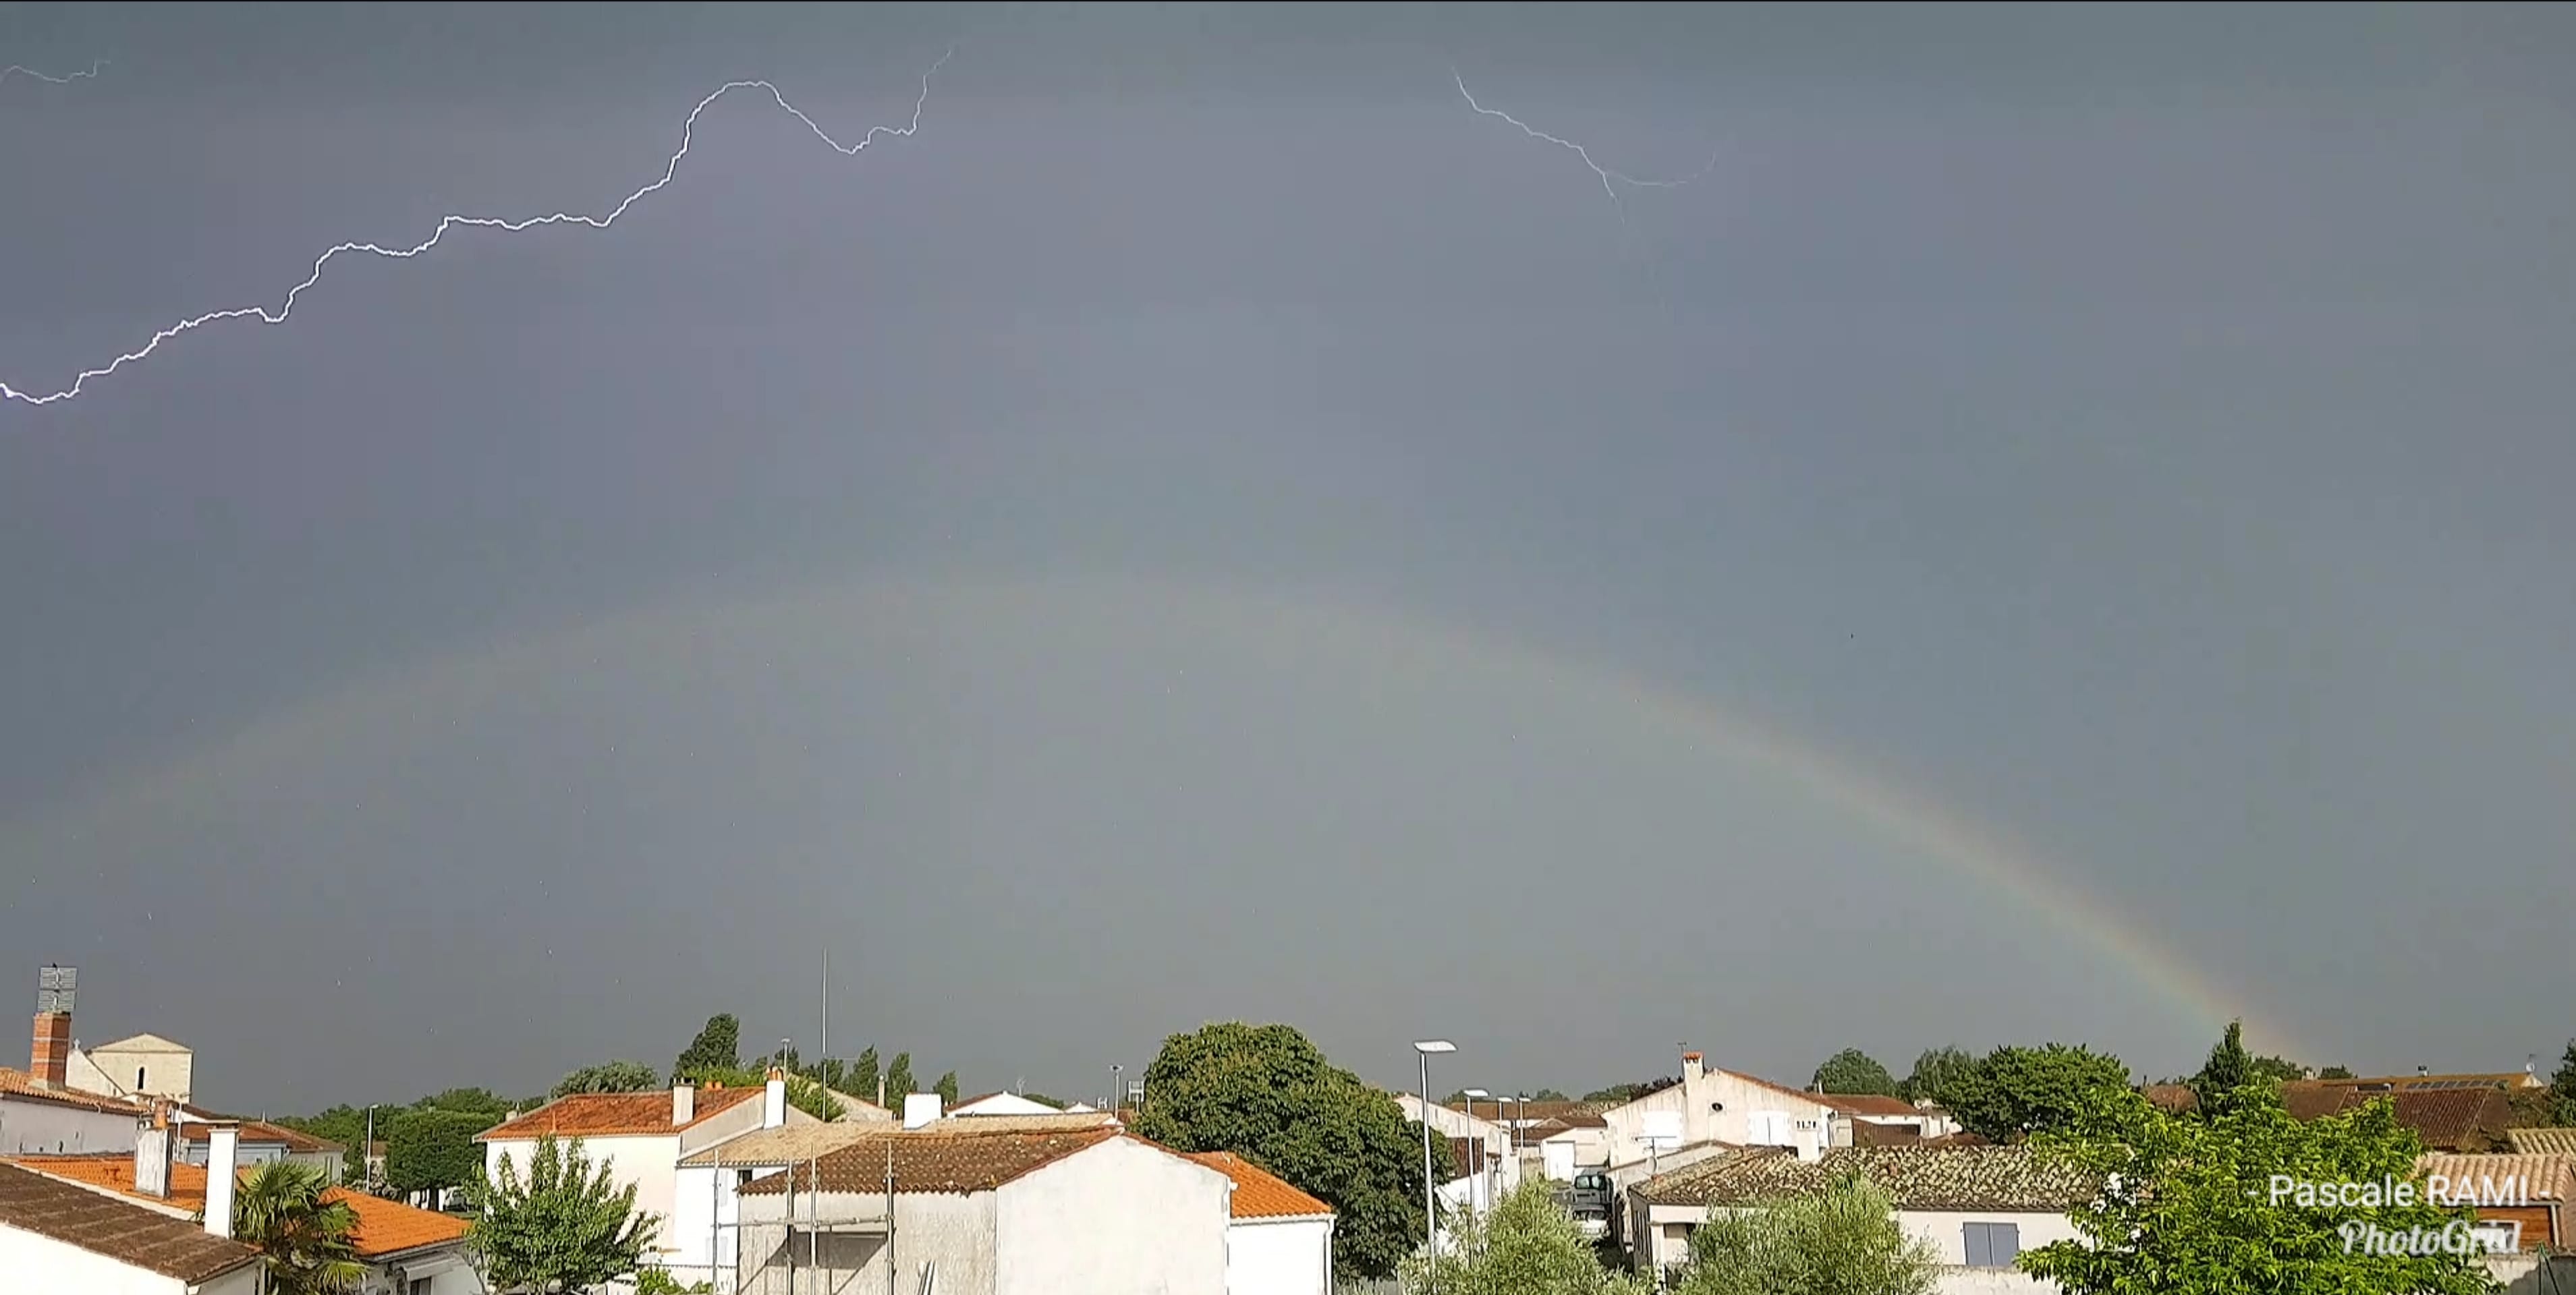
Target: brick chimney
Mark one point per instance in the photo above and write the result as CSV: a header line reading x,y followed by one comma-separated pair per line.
x,y
51,1059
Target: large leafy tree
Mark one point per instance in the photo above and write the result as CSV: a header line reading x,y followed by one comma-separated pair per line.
x,y
1844,1240
1934,1073
432,1149
1266,1093
304,1236
565,1226
1630,1092
718,1046
610,1077
1526,1245
864,1074
2188,1202
898,1081
2014,1092
2228,1069
947,1090
1852,1072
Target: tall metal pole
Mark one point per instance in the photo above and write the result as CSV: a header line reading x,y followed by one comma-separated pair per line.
x,y
889,1245
823,1048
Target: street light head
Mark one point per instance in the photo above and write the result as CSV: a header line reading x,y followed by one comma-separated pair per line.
x,y
1476,1093
1435,1045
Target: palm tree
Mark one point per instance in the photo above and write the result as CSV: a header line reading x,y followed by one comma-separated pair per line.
x,y
286,1211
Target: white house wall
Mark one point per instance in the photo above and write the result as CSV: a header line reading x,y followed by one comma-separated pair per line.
x,y
954,1231
1947,1231
650,1162
1279,1257
167,1072
37,1127
1113,1219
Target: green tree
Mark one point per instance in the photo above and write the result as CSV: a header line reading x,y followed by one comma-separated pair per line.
x,y
1526,1245
2562,1086
947,1090
2228,1069
1854,1073
1267,1094
2335,1072
1629,1092
802,1093
1844,1240
1549,1095
432,1149
718,1046
567,1226
305,1237
2189,1203
2278,1070
898,1081
610,1077
2015,1092
864,1074
471,1101
344,1124
1935,1071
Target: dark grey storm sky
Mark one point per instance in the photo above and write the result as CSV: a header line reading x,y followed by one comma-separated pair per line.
x,y
1212,527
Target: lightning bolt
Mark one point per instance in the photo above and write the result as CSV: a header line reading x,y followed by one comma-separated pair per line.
x,y
688,132
15,70
1610,180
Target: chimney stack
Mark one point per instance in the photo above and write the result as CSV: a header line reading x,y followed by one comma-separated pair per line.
x,y
223,1156
773,1103
51,1059
1692,1067
920,1110
152,1155
684,1105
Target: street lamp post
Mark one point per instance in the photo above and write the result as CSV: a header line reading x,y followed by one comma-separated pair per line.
x,y
1422,1049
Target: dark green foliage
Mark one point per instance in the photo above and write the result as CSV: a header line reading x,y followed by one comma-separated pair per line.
x,y
1264,1092
717,1047
1630,1092
2188,1206
2335,1072
2562,1086
432,1148
1844,1240
610,1077
2015,1092
864,1074
1934,1072
947,1090
307,1242
1549,1095
1853,1073
899,1082
564,1226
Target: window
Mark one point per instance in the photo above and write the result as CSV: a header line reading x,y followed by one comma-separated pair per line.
x,y
138,1079
420,1285
1992,1245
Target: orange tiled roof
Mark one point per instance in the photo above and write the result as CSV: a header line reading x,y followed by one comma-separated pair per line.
x,y
128,1234
384,1227
605,1115
1259,1193
18,1083
938,1162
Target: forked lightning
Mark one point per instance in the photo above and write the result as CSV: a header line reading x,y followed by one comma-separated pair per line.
x,y
285,308
65,79
1610,180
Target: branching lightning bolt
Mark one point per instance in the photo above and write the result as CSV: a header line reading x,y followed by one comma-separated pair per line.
x,y
688,131
66,79
1610,180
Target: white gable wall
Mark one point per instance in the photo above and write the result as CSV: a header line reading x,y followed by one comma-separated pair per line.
x,y
1113,1219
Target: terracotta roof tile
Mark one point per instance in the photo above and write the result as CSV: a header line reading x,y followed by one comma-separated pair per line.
x,y
2173,1099
604,1115
20,1084
2542,1142
2447,1119
2541,1178
935,1162
105,1225
384,1227
1259,1193
1920,1177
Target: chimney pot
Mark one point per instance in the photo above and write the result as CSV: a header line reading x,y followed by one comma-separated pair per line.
x,y
684,1104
